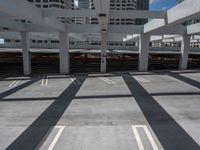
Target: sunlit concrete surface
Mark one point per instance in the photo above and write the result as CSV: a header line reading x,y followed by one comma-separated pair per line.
x,y
52,28
100,111
112,111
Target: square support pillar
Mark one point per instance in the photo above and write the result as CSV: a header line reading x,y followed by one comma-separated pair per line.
x,y
103,52
143,52
26,53
64,53
185,47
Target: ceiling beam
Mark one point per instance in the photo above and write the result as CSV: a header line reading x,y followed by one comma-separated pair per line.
x,y
71,28
193,29
137,14
125,29
17,36
187,10
55,12
21,8
95,28
168,30
11,24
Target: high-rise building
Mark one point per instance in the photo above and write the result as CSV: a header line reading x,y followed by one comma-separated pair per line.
x,y
142,5
129,5
123,5
83,4
62,4
119,5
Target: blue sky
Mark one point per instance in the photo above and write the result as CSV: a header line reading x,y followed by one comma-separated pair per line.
x,y
161,4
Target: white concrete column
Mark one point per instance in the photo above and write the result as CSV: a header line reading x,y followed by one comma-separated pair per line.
x,y
103,52
162,44
64,53
143,52
136,44
26,53
185,47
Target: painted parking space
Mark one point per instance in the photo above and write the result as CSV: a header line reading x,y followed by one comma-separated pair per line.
x,y
192,76
15,82
85,112
165,83
103,85
9,83
38,86
96,137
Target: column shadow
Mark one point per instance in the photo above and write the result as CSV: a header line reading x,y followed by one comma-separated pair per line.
x,y
186,80
170,134
17,88
34,136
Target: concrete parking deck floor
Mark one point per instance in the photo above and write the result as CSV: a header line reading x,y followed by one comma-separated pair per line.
x,y
116,111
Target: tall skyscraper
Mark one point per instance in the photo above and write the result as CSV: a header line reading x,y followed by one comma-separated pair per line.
x,y
62,4
123,5
84,4
142,5
119,5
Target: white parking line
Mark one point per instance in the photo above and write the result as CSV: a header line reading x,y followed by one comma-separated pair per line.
x,y
44,81
147,132
55,140
113,82
137,137
74,80
153,143
107,80
140,79
14,83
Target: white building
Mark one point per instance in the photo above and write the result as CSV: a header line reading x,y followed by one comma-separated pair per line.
x,y
63,4
114,5
123,5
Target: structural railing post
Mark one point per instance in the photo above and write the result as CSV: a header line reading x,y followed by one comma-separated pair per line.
x,y
143,52
26,53
64,53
